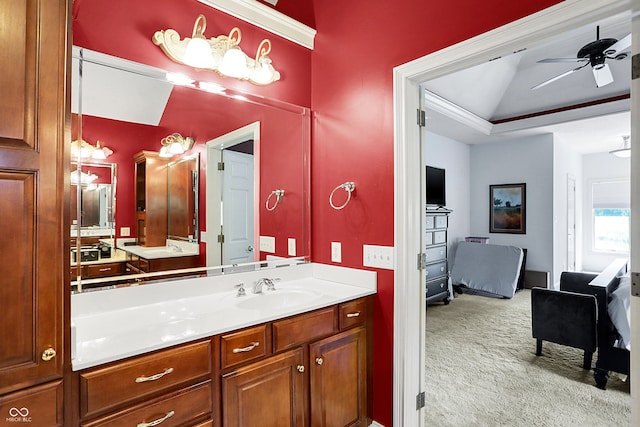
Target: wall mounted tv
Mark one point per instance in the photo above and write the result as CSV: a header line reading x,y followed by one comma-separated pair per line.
x,y
435,188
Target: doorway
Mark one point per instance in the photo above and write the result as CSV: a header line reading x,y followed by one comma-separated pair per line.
x,y
407,79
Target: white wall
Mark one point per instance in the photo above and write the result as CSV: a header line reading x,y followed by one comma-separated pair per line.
x,y
454,157
595,167
528,160
565,162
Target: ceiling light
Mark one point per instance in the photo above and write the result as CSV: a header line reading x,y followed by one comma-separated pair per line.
x,y
221,54
625,151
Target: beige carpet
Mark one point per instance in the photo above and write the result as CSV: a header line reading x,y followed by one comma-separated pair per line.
x,y
482,371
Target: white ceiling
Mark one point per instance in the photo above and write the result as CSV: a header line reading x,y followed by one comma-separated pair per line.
x,y
465,105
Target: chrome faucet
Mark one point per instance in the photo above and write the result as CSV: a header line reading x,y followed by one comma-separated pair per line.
x,y
257,286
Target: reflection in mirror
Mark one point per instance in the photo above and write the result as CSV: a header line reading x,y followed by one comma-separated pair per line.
x,y
131,107
182,196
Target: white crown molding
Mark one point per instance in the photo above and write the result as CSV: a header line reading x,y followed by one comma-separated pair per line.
x,y
266,18
455,112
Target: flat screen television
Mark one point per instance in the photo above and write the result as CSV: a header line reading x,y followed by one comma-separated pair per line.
x,y
435,188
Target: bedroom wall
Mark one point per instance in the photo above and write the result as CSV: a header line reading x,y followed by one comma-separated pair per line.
x,y
455,158
598,166
566,162
528,160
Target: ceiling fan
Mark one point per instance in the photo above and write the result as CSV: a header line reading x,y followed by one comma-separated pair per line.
x,y
595,54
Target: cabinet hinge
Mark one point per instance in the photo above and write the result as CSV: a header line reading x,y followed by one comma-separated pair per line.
x,y
420,400
422,261
421,117
220,166
220,238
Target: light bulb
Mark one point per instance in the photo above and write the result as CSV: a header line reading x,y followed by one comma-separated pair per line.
x,y
198,53
234,64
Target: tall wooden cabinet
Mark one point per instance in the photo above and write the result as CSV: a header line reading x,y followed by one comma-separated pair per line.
x,y
151,198
34,290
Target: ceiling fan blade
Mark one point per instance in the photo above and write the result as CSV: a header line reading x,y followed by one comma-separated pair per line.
x,y
562,60
619,46
558,77
602,75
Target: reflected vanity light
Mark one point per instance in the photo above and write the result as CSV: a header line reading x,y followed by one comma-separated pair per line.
x,y
84,150
180,79
175,144
625,151
83,177
221,54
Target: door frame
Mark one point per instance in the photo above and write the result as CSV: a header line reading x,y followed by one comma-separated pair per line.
x,y
214,190
408,327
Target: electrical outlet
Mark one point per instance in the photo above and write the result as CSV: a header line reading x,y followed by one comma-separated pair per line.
x,y
125,231
336,252
268,244
378,256
292,246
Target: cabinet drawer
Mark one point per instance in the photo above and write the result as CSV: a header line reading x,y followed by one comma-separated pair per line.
x,y
441,221
439,237
429,222
243,346
435,270
143,265
436,287
177,409
101,270
106,388
36,406
306,327
437,253
352,313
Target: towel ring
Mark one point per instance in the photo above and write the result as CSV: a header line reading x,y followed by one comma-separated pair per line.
x,y
279,195
348,186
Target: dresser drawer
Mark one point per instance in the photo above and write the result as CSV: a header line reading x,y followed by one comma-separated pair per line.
x,y
433,271
177,409
352,313
102,270
306,327
106,388
437,253
36,406
243,346
441,221
436,287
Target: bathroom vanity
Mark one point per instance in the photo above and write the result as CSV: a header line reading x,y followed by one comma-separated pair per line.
x,y
193,352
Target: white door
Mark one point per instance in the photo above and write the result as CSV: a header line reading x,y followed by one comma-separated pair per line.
x,y
237,208
571,223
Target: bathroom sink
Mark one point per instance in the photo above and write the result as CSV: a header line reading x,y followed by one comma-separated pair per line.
x,y
280,298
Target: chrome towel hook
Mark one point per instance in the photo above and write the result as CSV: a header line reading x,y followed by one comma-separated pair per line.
x,y
279,195
349,187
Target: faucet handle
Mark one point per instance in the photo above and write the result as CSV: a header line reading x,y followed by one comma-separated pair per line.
x,y
241,291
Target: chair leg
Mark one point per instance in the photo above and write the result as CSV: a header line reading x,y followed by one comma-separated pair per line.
x,y
588,356
601,376
538,347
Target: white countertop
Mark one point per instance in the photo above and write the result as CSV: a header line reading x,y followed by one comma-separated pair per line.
x,y
173,249
114,324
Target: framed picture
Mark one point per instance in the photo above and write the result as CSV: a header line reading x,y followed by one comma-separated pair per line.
x,y
507,205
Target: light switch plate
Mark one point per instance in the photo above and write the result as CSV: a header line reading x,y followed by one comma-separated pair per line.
x,y
378,256
125,231
291,246
336,252
268,244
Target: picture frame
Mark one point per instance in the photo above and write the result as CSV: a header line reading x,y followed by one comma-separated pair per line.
x,y
508,208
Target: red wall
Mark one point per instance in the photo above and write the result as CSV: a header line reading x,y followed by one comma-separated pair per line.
x,y
357,45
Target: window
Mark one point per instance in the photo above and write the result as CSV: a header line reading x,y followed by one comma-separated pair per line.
x,y
611,216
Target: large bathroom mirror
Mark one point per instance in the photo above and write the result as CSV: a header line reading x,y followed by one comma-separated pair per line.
x,y
132,108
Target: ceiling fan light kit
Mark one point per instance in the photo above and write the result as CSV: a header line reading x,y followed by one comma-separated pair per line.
x,y
595,54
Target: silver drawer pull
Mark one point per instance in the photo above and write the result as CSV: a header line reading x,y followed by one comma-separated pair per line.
x,y
246,349
154,377
158,421
356,314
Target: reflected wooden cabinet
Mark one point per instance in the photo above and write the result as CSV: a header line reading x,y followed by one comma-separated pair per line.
x,y
151,198
33,206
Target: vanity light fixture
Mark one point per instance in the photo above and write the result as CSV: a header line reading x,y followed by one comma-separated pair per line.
x,y
175,144
83,177
221,54
625,151
84,150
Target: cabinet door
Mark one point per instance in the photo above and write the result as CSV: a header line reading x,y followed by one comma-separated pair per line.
x,y
269,393
338,375
32,248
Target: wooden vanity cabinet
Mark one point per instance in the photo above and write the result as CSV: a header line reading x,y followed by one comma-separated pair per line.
x,y
35,293
150,197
